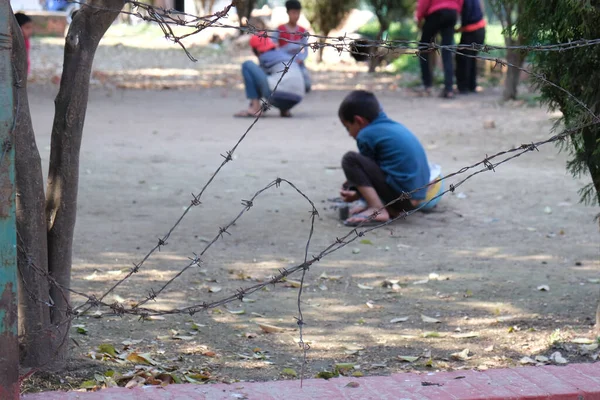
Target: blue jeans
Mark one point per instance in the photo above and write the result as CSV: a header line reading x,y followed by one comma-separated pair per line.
x,y
306,75
257,86
441,21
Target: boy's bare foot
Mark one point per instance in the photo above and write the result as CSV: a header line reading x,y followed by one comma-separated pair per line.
x,y
358,209
364,217
249,113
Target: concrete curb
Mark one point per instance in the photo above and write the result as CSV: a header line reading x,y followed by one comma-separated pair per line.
x,y
576,381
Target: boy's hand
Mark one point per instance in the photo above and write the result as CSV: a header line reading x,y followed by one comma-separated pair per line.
x,y
349,195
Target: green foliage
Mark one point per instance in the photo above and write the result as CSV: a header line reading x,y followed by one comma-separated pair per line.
x,y
392,9
577,71
405,30
325,15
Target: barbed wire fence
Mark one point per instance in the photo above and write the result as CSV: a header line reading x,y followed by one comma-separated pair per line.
x,y
167,19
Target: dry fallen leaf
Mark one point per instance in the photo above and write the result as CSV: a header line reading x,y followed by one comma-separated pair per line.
x,y
429,320
136,381
237,312
589,347
294,284
399,319
557,358
466,335
209,353
182,337
140,358
461,356
527,360
353,348
108,349
365,287
271,328
353,384
408,358
433,335
582,341
215,289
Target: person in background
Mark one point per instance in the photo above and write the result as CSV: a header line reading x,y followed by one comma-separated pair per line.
x,y
26,25
290,38
433,17
269,79
472,30
390,161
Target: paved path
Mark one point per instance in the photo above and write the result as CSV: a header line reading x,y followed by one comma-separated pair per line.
x,y
577,382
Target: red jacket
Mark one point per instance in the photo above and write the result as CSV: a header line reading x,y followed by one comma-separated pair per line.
x,y
428,7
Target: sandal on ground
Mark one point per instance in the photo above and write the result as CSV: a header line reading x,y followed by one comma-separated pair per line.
x,y
363,220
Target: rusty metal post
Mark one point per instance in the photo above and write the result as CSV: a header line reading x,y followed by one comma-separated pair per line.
x,y
9,353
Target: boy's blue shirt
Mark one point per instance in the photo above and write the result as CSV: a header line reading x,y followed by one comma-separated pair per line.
x,y
398,153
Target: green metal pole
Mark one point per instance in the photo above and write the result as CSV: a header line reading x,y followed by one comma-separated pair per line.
x,y
9,348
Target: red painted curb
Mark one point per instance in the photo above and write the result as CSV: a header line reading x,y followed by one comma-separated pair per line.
x,y
572,382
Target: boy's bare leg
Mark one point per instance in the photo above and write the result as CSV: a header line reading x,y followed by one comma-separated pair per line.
x,y
374,204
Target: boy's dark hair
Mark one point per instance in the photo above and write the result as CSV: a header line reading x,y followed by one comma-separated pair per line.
x,y
22,19
359,103
293,5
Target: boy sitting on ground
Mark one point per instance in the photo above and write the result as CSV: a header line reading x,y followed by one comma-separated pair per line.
x,y
291,39
260,81
391,160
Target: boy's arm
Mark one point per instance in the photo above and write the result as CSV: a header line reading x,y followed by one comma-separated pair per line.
x,y
365,148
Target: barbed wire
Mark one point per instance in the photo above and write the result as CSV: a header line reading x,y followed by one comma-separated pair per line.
x,y
487,164
166,18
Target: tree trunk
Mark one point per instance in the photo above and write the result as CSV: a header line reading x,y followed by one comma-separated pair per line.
x,y
322,41
88,27
590,143
375,59
513,75
244,10
34,315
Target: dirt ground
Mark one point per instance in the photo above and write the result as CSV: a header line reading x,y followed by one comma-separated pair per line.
x,y
474,265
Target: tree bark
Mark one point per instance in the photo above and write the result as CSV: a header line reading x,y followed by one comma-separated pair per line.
x,y
321,49
244,10
34,315
375,59
88,27
511,83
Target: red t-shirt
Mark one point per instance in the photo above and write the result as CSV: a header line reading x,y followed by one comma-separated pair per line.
x,y
285,36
